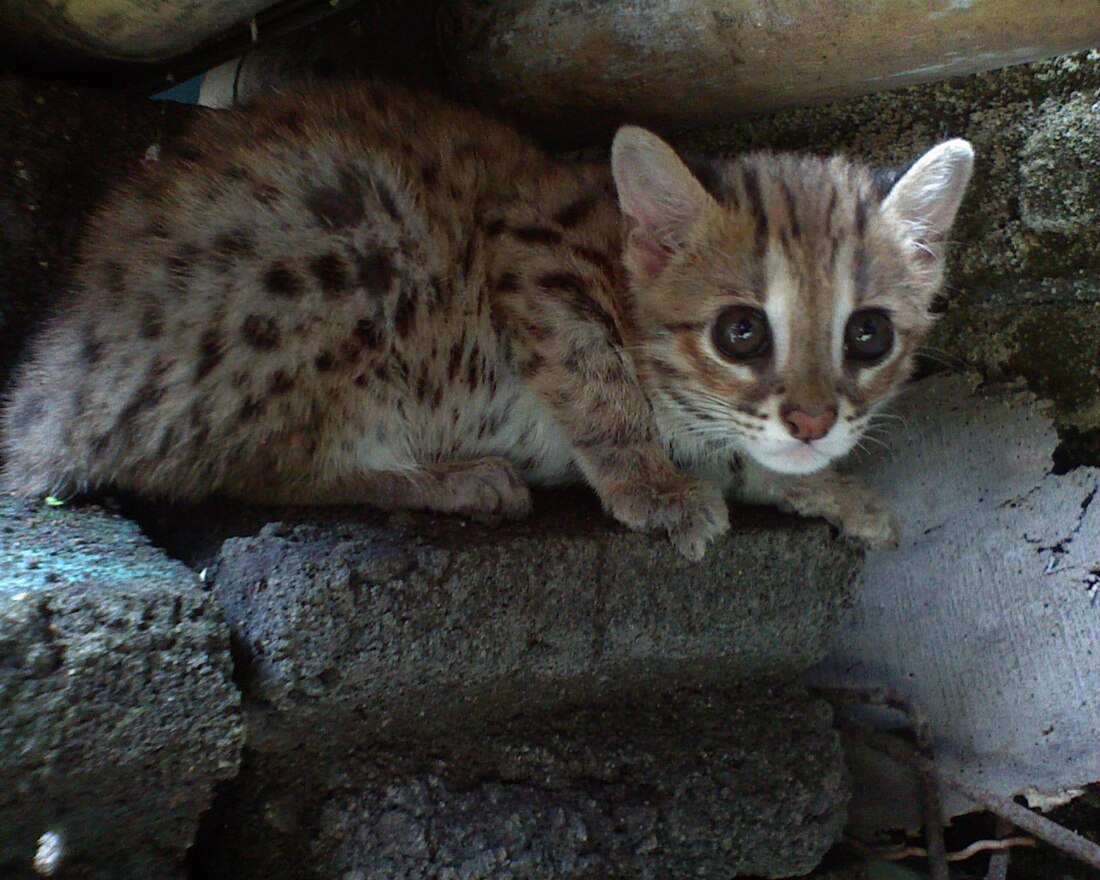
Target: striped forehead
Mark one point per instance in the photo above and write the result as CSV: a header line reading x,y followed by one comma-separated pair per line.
x,y
807,308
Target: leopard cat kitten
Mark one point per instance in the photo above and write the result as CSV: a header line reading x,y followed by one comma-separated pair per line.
x,y
364,295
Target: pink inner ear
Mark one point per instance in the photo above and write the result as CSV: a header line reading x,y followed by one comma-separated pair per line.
x,y
647,254
648,251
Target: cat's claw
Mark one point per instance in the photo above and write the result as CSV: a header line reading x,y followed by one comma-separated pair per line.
x,y
693,512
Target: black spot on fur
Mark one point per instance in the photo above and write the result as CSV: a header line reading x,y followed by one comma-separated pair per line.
x,y
861,216
114,277
281,280
374,271
325,362
211,352
236,172
495,227
387,200
252,408
532,365
569,282
404,315
236,243
429,175
338,207
181,263
454,362
468,255
537,235
507,283
280,383
367,333
331,273
581,301
151,324
267,194
578,211
91,350
147,396
597,258
261,332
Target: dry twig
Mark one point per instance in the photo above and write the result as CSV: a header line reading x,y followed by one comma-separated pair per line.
x,y
1061,838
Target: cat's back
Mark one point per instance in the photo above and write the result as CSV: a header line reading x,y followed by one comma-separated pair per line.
x,y
260,287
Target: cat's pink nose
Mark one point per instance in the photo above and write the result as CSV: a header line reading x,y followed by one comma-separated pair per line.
x,y
806,427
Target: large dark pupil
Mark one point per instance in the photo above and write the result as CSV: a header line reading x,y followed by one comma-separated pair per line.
x,y
869,335
742,332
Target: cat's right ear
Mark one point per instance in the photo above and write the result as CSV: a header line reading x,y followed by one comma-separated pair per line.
x,y
928,195
658,193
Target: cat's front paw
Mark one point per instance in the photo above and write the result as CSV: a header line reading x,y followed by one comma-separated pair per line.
x,y
872,524
859,512
693,512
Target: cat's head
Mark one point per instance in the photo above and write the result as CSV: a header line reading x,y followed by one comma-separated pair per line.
x,y
779,299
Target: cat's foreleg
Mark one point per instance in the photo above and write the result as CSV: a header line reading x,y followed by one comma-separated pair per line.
x,y
566,347
858,511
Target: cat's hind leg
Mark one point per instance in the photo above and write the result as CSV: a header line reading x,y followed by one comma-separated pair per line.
x,y
483,489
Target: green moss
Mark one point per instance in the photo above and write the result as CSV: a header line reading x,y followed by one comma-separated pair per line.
x,y
1055,348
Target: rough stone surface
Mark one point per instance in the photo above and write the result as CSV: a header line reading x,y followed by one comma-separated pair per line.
x,y
419,621
1060,168
1023,293
745,780
576,69
117,712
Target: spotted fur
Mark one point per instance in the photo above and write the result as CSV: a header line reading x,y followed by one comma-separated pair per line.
x,y
358,294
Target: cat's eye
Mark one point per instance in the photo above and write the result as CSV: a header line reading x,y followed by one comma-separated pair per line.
x,y
869,336
741,333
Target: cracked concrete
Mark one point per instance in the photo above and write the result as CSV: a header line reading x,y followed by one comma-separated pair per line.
x,y
993,593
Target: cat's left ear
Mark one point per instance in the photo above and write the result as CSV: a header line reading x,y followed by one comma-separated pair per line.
x,y
658,193
928,195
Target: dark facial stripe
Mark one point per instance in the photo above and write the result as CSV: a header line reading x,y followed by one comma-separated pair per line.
x,y
792,210
750,179
830,212
861,216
